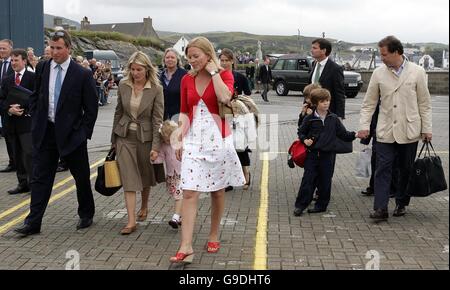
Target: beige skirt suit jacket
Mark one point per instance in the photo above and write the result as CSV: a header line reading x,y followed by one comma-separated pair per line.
x,y
137,120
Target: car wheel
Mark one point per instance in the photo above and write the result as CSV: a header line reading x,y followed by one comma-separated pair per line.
x,y
281,88
351,95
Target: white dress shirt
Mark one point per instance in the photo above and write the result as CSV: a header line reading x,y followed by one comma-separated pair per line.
x,y
323,63
20,76
51,86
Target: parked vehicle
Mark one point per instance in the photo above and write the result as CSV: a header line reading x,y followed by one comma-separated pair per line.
x,y
291,72
107,56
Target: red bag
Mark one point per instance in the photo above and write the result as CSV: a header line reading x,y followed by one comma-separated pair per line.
x,y
298,153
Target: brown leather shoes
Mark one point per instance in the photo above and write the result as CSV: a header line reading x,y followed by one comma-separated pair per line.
x,y
128,230
142,215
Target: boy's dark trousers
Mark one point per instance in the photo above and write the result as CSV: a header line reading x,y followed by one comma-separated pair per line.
x,y
319,169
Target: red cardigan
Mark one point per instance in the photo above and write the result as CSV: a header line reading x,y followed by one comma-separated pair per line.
x,y
190,99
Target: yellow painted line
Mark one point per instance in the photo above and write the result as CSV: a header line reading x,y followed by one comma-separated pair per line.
x,y
60,195
261,231
56,186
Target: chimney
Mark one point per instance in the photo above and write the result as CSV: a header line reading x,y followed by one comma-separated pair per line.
x,y
85,23
57,21
148,22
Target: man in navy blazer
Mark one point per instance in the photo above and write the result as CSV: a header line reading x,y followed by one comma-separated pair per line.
x,y
17,119
6,46
329,75
64,109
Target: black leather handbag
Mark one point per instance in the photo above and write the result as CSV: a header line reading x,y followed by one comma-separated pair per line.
x,y
100,182
427,175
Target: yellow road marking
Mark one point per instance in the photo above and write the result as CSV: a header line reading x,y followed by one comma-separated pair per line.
x,y
60,195
56,186
261,231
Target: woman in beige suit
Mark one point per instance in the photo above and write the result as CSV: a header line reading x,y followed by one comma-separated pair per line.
x,y
138,117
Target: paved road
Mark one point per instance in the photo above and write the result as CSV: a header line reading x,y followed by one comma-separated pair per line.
x,y
259,230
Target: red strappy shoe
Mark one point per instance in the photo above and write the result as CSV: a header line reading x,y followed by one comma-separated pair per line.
x,y
212,247
182,258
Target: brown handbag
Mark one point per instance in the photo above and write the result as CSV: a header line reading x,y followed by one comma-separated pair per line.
x,y
224,110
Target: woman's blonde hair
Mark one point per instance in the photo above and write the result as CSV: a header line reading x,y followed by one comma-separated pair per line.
x,y
151,73
171,49
167,128
206,46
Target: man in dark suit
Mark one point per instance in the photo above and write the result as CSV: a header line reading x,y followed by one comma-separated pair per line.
x,y
265,77
62,166
64,110
6,46
329,75
17,118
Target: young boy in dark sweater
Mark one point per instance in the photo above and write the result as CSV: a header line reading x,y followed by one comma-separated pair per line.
x,y
318,132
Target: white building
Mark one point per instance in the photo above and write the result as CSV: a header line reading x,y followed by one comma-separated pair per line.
x,y
427,62
445,59
181,44
363,48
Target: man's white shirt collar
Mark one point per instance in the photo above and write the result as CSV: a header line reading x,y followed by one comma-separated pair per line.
x,y
64,65
324,62
22,71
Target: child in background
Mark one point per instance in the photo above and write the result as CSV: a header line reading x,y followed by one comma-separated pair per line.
x,y
307,109
173,169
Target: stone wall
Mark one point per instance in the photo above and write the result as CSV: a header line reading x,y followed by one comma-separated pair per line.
x,y
437,81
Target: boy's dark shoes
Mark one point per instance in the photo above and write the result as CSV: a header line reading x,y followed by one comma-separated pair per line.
x,y
298,211
316,210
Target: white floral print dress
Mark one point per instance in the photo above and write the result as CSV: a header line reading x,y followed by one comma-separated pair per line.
x,y
210,162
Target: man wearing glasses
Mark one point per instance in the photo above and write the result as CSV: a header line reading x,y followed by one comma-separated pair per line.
x,y
64,110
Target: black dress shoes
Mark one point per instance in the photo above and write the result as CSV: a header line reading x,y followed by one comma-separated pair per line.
x,y
27,230
399,211
84,223
298,211
316,210
368,191
380,215
19,189
8,168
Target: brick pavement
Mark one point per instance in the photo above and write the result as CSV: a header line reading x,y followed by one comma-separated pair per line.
x,y
339,239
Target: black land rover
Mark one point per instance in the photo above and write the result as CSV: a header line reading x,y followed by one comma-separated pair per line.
x,y
291,73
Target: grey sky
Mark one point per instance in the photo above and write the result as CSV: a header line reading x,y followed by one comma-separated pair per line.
x,y
357,21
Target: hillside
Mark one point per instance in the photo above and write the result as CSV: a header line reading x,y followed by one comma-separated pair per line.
x,y
243,42
123,45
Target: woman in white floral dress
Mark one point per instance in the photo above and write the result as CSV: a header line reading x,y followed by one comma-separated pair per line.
x,y
209,160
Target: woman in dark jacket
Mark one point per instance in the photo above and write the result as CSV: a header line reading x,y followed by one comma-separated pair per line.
x,y
241,86
170,79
